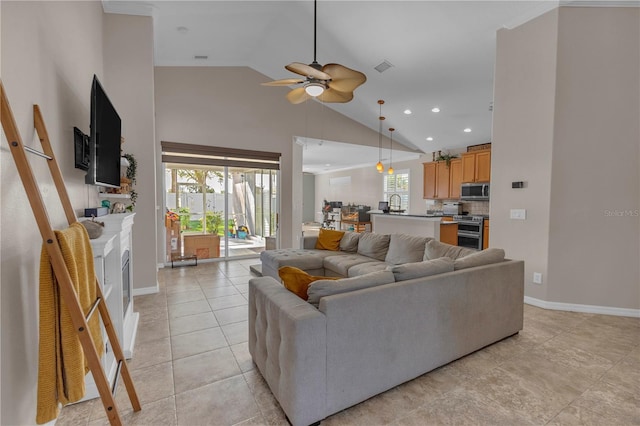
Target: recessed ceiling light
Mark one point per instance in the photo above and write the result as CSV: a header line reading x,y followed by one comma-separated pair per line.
x,y
182,30
430,138
407,111
435,109
467,130
327,165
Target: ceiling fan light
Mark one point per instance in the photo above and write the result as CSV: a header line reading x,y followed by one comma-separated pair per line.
x,y
314,89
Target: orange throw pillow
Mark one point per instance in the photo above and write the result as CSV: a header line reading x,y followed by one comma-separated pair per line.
x,y
329,239
297,281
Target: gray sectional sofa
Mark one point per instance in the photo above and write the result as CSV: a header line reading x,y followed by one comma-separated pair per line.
x,y
402,310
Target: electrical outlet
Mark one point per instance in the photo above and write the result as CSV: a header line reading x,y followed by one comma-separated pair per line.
x,y
520,214
537,278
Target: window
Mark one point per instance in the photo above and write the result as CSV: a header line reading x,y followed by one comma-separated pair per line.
x,y
397,184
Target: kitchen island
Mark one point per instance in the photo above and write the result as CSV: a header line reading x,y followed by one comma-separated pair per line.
x,y
419,225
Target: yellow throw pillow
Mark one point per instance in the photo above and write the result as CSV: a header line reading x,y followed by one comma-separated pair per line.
x,y
297,281
329,240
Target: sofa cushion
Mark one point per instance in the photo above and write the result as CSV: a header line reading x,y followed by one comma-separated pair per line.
x,y
373,245
349,242
297,281
435,249
484,257
365,268
321,288
341,264
409,271
405,248
329,239
303,259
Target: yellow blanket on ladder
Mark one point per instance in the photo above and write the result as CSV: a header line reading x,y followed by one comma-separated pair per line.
x,y
61,365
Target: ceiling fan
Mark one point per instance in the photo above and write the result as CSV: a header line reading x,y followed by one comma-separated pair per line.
x,y
332,83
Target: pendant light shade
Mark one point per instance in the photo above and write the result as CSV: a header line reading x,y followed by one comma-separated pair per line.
x,y
390,171
380,166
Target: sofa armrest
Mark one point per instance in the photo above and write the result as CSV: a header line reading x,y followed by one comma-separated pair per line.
x,y
287,341
309,242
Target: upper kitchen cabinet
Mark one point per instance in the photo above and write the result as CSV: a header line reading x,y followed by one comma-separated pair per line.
x,y
442,181
455,178
476,166
429,181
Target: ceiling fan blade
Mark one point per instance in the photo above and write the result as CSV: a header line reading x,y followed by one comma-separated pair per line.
x,y
307,71
297,96
344,79
334,96
285,82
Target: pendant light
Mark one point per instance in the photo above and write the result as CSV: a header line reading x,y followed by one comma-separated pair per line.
x,y
390,171
380,166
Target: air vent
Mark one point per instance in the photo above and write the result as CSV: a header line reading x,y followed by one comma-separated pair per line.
x,y
200,57
383,66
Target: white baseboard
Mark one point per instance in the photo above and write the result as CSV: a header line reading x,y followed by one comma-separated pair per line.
x,y
589,309
146,290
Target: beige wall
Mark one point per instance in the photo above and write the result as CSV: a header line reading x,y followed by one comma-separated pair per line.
x,y
523,117
128,64
566,122
226,106
594,256
50,51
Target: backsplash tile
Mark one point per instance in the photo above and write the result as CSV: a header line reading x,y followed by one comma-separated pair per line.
x,y
472,207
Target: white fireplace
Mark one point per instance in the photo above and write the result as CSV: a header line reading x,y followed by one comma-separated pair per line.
x,y
113,258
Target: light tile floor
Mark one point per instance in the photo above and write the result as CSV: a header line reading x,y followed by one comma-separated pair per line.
x,y
192,366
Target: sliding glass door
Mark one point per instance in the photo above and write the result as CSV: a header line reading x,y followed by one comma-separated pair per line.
x,y
220,211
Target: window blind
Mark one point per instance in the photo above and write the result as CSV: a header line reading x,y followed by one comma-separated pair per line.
x,y
183,153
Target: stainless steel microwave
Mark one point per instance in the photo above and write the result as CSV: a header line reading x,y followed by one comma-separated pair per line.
x,y
474,191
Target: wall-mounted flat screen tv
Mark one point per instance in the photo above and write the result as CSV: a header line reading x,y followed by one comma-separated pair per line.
x,y
104,140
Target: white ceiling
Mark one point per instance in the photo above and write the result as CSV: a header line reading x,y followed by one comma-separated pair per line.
x,y
442,53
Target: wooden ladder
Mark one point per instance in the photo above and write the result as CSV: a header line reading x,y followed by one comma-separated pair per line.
x,y
18,151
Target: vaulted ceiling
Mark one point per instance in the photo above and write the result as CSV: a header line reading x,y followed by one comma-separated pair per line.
x,y
441,53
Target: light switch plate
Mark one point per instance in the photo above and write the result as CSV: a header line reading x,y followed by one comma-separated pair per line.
x,y
520,214
537,278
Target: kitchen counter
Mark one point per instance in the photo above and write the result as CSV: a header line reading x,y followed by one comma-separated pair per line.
x,y
420,225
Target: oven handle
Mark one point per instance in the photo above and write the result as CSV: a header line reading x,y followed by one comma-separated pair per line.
x,y
469,234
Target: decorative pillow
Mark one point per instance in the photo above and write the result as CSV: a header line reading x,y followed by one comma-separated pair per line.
x,y
329,239
405,248
484,257
373,245
435,249
296,280
409,271
321,288
349,242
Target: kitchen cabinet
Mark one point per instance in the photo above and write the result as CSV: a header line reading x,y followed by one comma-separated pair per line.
x,y
455,178
429,181
476,166
485,234
442,180
448,231
437,180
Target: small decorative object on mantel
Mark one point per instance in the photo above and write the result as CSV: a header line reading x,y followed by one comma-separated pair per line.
x,y
94,228
480,147
118,208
